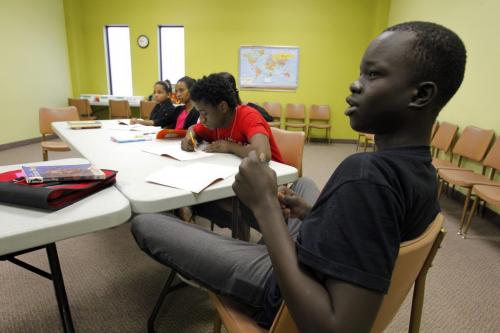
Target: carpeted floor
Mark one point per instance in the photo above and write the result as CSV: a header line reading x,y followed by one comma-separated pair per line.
x,y
112,286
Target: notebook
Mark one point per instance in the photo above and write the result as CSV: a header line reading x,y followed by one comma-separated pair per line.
x,y
194,177
130,137
173,149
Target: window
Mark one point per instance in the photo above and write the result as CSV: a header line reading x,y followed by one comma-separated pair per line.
x,y
118,60
171,52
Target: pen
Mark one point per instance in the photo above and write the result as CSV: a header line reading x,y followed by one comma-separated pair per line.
x,y
192,139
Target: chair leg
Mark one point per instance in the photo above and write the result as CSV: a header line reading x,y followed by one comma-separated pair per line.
x,y
45,155
469,220
217,323
440,187
166,289
466,205
359,142
417,305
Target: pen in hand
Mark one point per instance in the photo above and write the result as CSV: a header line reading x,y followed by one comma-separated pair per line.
x,y
192,139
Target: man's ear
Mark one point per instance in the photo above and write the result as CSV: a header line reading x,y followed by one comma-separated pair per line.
x,y
425,93
223,107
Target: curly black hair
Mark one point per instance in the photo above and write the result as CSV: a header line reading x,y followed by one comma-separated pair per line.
x,y
213,89
189,81
166,85
438,55
232,81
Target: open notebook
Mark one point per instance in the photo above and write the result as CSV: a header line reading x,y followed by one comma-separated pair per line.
x,y
193,177
173,149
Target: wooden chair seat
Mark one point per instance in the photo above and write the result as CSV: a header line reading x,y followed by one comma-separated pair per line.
x,y
55,146
462,178
295,125
489,193
233,318
320,126
444,164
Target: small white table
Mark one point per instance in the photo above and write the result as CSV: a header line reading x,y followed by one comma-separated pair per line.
x,y
23,230
134,165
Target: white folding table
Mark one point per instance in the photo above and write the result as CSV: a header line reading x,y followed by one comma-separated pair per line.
x,y
23,230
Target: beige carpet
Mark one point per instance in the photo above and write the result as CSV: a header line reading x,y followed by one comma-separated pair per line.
x,y
112,286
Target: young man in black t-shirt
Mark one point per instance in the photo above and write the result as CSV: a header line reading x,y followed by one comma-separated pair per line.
x,y
332,262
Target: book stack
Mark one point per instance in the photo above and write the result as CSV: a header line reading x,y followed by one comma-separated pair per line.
x,y
84,124
35,174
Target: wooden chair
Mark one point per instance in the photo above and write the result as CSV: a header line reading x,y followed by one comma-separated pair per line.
x,y
83,107
119,109
274,109
47,115
366,139
412,264
295,116
443,140
319,118
291,146
472,144
145,108
467,178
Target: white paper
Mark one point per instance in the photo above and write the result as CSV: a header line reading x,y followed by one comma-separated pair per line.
x,y
123,137
172,148
194,177
136,128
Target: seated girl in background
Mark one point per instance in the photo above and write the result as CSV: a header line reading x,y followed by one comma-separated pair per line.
x,y
161,94
184,115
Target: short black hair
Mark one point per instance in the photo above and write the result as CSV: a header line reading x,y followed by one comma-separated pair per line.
x,y
213,89
189,81
166,85
439,56
232,81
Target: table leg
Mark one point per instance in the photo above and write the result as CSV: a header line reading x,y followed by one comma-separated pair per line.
x,y
57,279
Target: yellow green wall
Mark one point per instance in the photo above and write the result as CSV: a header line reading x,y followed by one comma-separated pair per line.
x,y
476,22
33,64
332,36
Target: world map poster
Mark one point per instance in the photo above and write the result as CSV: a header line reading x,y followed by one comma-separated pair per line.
x,y
269,67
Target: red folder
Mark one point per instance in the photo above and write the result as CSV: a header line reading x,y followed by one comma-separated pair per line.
x,y
52,195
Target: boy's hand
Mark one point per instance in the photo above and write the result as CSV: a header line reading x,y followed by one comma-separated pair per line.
x,y
187,143
133,121
219,146
292,205
255,183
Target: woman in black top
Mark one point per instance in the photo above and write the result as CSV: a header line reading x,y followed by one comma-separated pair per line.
x,y
161,94
184,115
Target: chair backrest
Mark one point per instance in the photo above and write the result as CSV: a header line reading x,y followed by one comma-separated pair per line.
x,y
473,143
443,139
413,261
492,160
291,146
273,108
47,115
145,108
319,112
295,111
119,108
82,104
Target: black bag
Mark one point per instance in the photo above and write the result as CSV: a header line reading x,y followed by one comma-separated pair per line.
x,y
51,195
262,111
